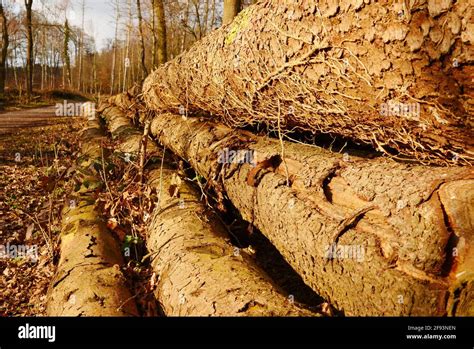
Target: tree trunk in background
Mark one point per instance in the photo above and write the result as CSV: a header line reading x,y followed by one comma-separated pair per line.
x,y
231,9
134,49
213,16
43,59
66,58
185,26
206,17
197,19
17,80
121,60
29,49
361,71
144,71
153,30
114,54
162,51
4,50
94,72
127,61
81,50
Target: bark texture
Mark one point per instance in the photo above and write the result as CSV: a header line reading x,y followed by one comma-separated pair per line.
x,y
396,75
413,223
88,281
200,272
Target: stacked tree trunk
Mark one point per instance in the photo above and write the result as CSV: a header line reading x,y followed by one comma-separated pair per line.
x,y
371,235
409,241
200,272
397,75
89,281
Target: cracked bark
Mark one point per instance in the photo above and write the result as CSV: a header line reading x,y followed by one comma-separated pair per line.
x,y
96,287
404,237
200,273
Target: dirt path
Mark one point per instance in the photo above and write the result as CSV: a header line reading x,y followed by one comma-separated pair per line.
x,y
29,118
37,150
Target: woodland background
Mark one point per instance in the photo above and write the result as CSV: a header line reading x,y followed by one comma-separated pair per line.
x,y
42,50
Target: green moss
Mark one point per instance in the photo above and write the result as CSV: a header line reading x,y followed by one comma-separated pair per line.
x,y
78,217
239,23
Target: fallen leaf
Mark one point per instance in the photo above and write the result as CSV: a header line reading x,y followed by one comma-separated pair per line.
x,y
29,231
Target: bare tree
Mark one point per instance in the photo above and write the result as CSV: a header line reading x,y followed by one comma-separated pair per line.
x,y
142,41
29,48
43,55
81,49
127,47
114,54
94,73
159,10
4,51
66,59
231,9
185,26
198,19
206,17
153,31
213,16
148,34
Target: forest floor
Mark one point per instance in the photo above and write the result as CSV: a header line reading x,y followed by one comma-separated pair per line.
x,y
37,152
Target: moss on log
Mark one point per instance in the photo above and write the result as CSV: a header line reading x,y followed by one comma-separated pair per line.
x,y
88,281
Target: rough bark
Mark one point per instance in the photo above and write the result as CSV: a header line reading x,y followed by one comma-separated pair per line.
x,y
413,222
200,272
88,281
417,237
393,75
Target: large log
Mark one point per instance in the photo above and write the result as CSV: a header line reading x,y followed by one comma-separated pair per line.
x,y
374,237
88,281
200,272
397,75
